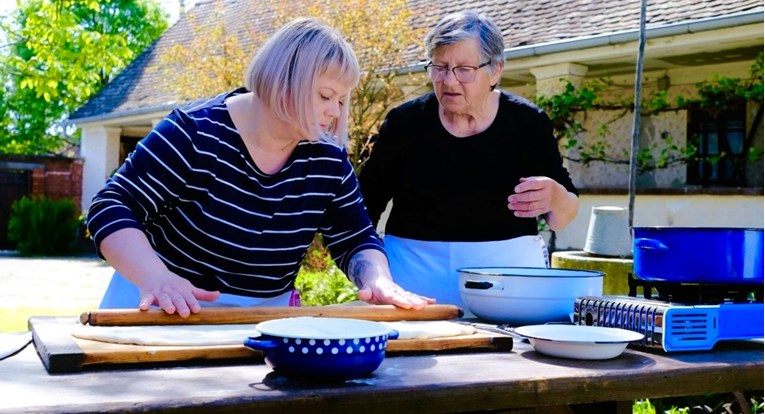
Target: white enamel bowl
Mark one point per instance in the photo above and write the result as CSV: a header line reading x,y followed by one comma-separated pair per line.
x,y
526,295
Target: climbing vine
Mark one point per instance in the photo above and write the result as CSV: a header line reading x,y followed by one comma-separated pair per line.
x,y
567,110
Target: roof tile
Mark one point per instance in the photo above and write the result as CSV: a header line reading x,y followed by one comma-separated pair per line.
x,y
522,22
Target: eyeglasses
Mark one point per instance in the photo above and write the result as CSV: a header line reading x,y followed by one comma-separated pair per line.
x,y
463,73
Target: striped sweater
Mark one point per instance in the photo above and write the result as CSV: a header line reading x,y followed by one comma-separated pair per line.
x,y
215,219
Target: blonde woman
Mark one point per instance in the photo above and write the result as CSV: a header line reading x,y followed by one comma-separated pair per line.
x,y
220,201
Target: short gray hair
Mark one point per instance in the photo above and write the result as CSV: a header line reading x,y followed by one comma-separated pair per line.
x,y
285,70
464,25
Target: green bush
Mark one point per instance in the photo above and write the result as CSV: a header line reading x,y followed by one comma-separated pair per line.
x,y
324,288
44,227
320,281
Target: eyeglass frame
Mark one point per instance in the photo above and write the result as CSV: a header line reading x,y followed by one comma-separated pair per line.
x,y
453,70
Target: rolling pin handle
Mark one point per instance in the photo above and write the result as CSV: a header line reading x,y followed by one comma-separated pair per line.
x,y
85,318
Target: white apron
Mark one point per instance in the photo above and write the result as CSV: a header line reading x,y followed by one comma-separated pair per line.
x,y
122,294
431,268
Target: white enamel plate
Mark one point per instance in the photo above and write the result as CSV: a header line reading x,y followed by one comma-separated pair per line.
x,y
578,341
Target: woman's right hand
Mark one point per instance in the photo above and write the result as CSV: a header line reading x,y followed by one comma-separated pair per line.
x,y
129,252
173,293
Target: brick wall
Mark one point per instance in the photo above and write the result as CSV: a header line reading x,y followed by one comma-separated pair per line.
x,y
53,177
60,179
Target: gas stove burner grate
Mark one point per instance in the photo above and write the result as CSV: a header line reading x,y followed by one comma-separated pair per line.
x,y
669,326
696,293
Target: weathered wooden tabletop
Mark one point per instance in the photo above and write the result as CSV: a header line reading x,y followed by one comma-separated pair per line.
x,y
426,383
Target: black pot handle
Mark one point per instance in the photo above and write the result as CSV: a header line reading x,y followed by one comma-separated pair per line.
x,y
479,285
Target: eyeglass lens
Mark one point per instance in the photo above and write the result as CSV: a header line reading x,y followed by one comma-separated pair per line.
x,y
464,74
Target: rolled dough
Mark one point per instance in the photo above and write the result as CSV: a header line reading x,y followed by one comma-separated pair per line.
x,y
429,329
168,335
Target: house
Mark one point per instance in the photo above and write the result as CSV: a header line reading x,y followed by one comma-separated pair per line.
x,y
546,40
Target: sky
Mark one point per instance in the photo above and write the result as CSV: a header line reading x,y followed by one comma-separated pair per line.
x,y
6,6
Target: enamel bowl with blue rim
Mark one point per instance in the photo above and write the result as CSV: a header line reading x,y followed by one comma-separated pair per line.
x,y
322,348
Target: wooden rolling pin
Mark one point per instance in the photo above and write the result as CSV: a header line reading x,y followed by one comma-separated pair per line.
x,y
226,315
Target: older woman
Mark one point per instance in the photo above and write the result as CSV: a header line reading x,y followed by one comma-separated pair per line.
x,y
469,168
220,201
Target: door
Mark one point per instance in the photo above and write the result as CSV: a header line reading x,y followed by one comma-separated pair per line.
x,y
14,184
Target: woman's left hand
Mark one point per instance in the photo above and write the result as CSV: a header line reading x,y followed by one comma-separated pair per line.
x,y
534,196
382,291
543,196
369,271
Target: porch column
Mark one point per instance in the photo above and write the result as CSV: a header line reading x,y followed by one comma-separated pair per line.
x,y
99,148
551,79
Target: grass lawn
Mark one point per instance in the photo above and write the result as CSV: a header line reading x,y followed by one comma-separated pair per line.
x,y
15,320
58,286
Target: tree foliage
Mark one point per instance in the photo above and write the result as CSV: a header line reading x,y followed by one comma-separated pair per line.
x,y
212,62
379,33
59,53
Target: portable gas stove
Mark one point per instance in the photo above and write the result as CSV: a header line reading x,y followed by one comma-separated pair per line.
x,y
680,316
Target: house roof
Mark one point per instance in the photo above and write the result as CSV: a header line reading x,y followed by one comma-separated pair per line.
x,y
524,23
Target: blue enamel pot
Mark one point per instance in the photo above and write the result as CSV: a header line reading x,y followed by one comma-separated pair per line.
x,y
698,254
322,348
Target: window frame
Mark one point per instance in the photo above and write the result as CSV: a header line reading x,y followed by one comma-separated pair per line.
x,y
715,163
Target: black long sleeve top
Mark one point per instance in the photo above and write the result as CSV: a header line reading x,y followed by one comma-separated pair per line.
x,y
447,188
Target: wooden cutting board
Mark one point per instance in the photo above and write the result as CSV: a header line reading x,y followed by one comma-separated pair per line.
x,y
60,352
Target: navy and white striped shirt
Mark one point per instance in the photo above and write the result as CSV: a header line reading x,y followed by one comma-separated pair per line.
x,y
214,218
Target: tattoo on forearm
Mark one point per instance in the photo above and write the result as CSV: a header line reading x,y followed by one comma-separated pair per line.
x,y
357,267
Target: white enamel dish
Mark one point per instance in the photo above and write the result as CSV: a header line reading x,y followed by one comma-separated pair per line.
x,y
578,341
525,295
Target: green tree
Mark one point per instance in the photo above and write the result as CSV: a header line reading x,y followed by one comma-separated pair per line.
x,y
214,59
59,53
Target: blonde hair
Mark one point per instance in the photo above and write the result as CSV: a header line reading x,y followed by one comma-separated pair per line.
x,y
286,69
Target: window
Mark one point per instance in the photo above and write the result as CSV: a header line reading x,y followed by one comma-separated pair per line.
x,y
722,147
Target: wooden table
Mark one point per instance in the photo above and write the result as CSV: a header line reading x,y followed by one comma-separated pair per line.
x,y
519,381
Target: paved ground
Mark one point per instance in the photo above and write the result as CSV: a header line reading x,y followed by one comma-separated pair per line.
x,y
70,283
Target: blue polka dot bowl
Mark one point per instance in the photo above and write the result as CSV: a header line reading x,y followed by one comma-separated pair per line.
x,y
322,348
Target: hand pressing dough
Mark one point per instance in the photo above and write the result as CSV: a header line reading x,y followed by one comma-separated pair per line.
x,y
429,329
168,335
